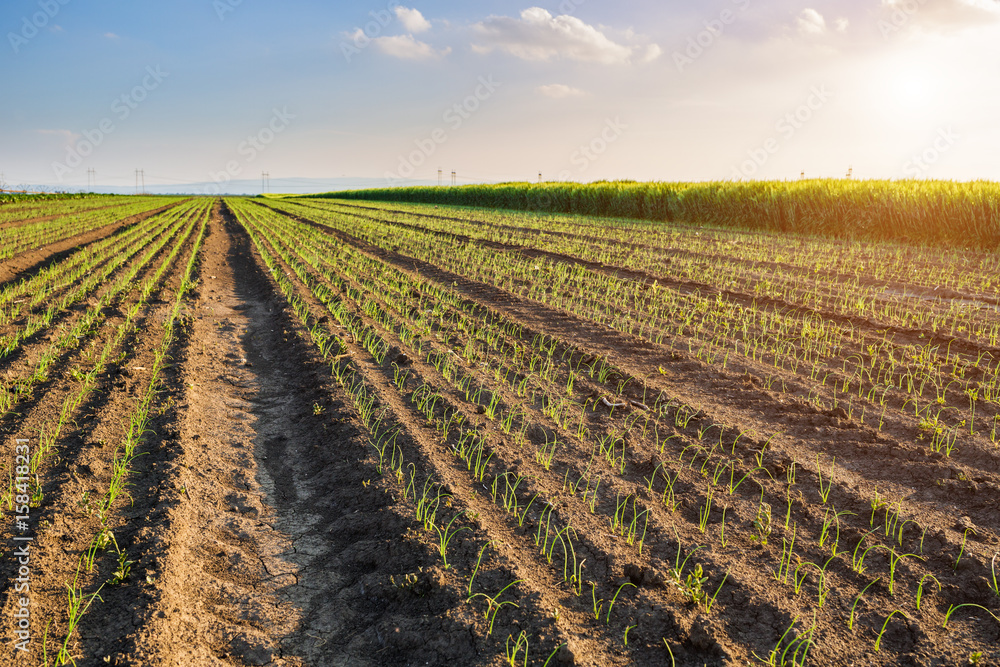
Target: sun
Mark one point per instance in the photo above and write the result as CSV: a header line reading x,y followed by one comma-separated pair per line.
x,y
906,87
911,89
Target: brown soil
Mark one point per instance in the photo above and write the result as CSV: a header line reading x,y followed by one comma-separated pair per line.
x,y
264,531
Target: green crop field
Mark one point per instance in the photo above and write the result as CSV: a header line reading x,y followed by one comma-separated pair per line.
x,y
610,424
579,334
930,212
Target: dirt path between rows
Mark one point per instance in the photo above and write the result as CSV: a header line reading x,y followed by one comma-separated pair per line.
x,y
277,554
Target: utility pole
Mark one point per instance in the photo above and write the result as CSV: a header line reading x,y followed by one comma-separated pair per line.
x,y
262,190
539,177
137,181
142,174
440,174
91,174
454,178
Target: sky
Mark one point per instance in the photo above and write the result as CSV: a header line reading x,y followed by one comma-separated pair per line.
x,y
205,95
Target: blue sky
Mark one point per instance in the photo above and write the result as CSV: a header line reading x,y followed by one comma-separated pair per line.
x,y
196,91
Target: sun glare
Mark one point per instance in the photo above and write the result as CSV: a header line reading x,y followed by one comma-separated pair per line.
x,y
911,90
907,88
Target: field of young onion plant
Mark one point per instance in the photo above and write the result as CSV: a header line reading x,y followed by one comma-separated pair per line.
x,y
487,437
676,441
71,327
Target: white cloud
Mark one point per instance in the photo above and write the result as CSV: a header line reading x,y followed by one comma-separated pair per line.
x,y
560,91
538,35
111,35
649,53
811,22
408,48
412,20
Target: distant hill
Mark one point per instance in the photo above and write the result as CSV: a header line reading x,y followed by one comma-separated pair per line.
x,y
247,186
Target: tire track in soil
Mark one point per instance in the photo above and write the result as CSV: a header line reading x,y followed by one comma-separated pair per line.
x,y
277,554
